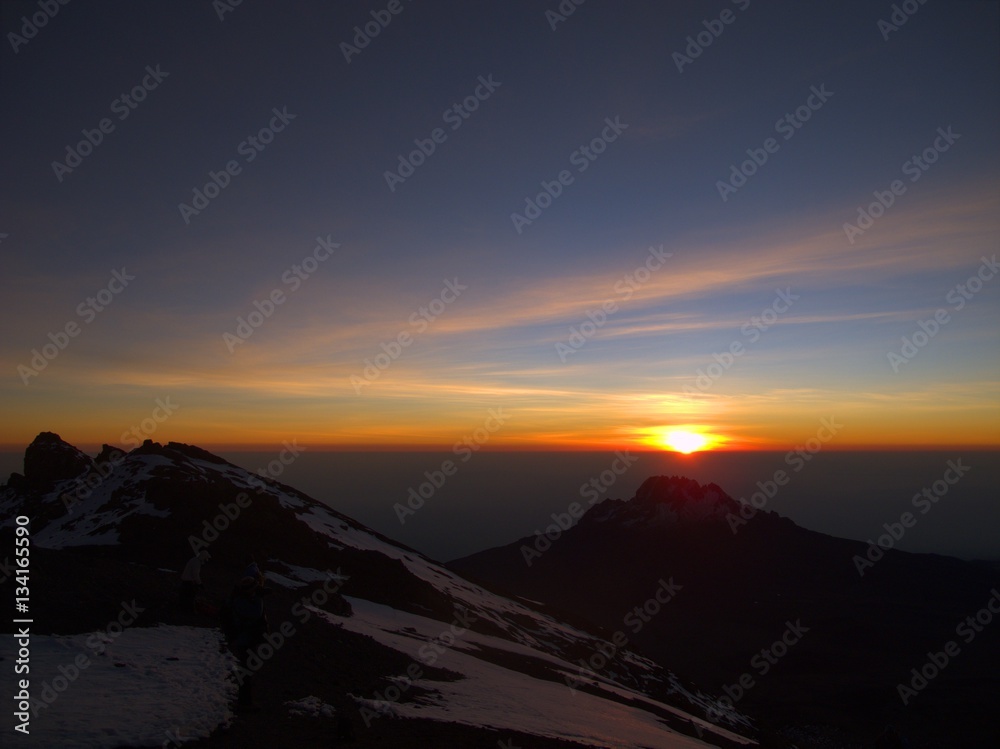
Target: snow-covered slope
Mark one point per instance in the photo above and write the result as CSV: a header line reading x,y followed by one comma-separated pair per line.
x,y
146,686
504,698
513,667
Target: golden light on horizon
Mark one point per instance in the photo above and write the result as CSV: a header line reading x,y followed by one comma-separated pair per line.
x,y
685,442
684,439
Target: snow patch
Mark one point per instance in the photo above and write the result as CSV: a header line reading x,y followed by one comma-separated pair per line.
x,y
496,697
299,577
283,581
382,707
311,706
147,686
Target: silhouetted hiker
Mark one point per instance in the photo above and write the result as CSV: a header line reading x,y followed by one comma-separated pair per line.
x,y
191,579
253,570
891,739
246,628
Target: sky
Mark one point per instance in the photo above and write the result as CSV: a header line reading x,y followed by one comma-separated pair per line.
x,y
403,225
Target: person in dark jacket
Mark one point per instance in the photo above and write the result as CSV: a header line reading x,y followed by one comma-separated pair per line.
x,y
247,626
890,738
253,570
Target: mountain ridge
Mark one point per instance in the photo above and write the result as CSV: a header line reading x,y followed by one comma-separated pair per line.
x,y
117,530
748,576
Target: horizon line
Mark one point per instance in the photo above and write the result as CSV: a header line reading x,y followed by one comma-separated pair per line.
x,y
257,447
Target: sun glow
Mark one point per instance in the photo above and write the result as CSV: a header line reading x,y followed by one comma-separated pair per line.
x,y
681,440
685,442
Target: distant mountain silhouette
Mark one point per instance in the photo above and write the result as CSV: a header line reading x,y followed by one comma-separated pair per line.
x,y
371,631
749,579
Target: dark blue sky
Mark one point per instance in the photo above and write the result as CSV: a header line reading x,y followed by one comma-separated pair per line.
x,y
656,184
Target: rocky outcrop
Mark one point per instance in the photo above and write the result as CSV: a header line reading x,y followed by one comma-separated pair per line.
x,y
49,459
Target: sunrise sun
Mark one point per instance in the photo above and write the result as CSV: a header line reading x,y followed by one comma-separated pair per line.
x,y
681,440
685,442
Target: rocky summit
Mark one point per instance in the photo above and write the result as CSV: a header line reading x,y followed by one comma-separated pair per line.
x,y
370,643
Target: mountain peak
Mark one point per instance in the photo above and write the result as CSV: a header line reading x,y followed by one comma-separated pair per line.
x,y
193,451
665,500
133,521
49,458
676,490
